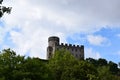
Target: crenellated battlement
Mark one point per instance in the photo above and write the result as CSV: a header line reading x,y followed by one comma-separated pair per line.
x,y
72,46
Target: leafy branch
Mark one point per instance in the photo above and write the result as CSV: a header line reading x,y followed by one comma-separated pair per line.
x,y
4,9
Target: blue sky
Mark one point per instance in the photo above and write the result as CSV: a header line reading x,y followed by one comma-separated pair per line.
x,y
92,23
107,48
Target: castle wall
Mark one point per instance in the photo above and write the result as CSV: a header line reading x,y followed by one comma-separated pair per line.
x,y
53,43
75,50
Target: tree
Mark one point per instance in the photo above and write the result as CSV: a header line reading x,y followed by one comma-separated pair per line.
x,y
32,69
113,67
1,1
104,73
65,67
99,62
16,67
61,61
62,66
4,9
92,61
9,62
102,62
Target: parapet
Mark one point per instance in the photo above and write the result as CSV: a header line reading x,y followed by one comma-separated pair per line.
x,y
72,46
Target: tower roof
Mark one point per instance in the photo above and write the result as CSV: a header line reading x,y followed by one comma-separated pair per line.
x,y
53,38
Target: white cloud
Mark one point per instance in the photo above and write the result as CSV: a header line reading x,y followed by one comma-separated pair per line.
x,y
74,16
89,52
38,19
34,41
118,35
97,40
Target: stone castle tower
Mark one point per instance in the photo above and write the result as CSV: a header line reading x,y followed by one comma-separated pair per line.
x,y
54,44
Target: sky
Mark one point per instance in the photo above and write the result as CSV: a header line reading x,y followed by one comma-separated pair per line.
x,y
92,23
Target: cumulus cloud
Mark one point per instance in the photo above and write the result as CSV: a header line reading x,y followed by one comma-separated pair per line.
x,y
72,15
97,40
89,52
38,19
34,30
34,41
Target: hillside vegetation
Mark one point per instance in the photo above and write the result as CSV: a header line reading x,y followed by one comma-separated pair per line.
x,y
63,66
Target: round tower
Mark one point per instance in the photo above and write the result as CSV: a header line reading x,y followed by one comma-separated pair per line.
x,y
53,41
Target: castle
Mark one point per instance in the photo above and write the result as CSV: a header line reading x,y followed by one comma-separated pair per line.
x,y
54,44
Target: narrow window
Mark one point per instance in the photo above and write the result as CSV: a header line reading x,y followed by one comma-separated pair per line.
x,y
72,49
76,50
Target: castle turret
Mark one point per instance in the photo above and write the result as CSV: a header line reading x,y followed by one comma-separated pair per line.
x,y
53,41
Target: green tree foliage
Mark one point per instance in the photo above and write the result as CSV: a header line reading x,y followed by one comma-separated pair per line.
x,y
9,62
59,63
102,62
113,67
4,9
106,71
63,66
16,67
105,74
99,62
92,61
32,69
